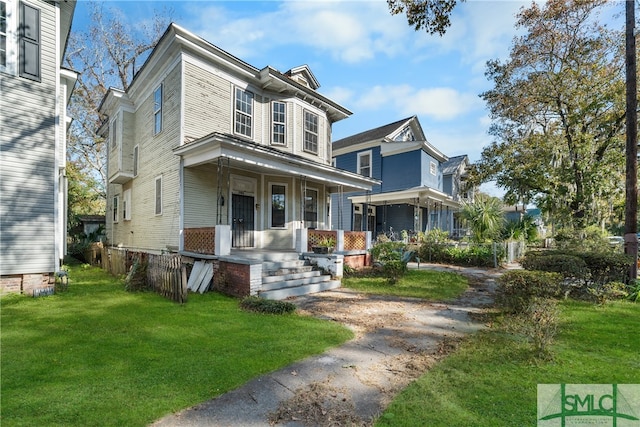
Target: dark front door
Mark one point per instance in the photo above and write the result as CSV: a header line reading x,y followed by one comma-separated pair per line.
x,y
242,226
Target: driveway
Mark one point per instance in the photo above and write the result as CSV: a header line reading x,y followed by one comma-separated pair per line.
x,y
396,341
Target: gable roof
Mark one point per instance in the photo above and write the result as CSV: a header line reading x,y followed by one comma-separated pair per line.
x,y
370,135
451,166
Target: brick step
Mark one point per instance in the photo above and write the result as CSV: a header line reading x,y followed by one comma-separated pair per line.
x,y
289,276
283,293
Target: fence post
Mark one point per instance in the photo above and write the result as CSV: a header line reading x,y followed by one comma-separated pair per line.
x,y
495,255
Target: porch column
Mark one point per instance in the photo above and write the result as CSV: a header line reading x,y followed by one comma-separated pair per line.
x,y
339,240
222,240
302,240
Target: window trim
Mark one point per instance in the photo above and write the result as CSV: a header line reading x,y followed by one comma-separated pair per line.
x,y
368,153
433,168
113,133
283,123
307,131
286,215
158,108
126,205
33,40
136,159
158,196
317,206
11,38
115,209
238,90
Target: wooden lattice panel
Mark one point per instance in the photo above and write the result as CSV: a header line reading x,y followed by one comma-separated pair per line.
x,y
200,240
315,236
355,240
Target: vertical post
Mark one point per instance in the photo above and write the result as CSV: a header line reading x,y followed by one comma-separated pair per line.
x,y
631,183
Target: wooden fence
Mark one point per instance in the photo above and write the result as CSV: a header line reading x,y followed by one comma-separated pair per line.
x,y
165,274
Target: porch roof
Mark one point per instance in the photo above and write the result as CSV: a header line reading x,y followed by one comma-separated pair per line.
x,y
244,154
412,196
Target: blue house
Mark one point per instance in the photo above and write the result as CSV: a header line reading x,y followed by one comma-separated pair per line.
x,y
421,187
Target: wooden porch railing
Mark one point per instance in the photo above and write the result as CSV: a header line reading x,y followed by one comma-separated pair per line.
x,y
355,240
315,236
200,240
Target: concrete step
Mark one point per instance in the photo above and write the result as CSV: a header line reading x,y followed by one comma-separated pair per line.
x,y
283,293
285,271
280,265
289,276
294,282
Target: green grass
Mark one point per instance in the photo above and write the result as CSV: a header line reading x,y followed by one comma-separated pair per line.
x,y
492,379
426,284
99,356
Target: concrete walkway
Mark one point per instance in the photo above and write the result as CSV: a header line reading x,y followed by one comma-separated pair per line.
x,y
397,339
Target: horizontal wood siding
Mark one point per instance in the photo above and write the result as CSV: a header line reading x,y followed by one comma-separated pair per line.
x,y
200,201
128,141
27,162
427,178
402,171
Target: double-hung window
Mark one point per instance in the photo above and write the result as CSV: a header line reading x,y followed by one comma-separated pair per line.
x,y
8,27
310,208
126,205
157,110
113,134
311,132
136,159
115,207
29,42
364,163
279,124
158,195
243,112
278,205
20,38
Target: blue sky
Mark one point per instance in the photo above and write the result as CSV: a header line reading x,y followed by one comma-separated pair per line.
x,y
367,60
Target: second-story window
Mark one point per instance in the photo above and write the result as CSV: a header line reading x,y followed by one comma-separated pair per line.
x,y
136,159
244,112
157,110
113,134
29,42
364,163
311,132
278,118
433,168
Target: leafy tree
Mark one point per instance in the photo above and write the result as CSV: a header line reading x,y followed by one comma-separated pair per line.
x,y
484,217
105,55
430,15
558,113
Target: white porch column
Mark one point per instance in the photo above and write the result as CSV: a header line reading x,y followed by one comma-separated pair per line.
x,y
302,240
223,240
339,240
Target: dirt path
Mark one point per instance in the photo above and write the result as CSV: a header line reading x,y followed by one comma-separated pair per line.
x,y
397,340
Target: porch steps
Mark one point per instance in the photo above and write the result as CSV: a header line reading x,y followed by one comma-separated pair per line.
x,y
293,278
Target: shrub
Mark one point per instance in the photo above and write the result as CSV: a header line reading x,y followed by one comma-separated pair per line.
x,y
474,255
136,279
393,257
517,288
570,266
261,305
608,292
538,323
393,270
605,267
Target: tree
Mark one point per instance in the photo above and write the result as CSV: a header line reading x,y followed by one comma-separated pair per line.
x,y
558,114
430,15
484,217
105,55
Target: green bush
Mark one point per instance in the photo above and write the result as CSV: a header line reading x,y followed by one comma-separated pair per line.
x,y
393,258
609,292
606,267
393,270
538,322
261,305
474,255
570,266
518,288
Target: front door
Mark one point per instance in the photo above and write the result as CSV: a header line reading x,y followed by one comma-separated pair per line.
x,y
243,221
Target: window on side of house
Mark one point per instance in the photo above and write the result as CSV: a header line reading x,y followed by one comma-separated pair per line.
x,y
433,168
157,110
364,163
8,30
126,205
310,132
278,205
279,123
115,209
29,42
136,159
113,134
310,208
158,196
243,112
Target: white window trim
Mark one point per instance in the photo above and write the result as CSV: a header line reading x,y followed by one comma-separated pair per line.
x,y
113,133
126,205
158,110
286,213
316,133
235,111
156,196
318,210
136,160
115,216
433,168
359,165
283,123
11,66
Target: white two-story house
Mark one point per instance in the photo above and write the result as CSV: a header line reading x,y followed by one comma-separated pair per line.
x,y
202,140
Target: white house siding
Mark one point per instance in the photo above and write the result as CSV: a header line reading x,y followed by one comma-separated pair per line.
x,y
27,162
200,196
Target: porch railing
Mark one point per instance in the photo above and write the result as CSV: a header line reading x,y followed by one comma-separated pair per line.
x,y
355,240
200,240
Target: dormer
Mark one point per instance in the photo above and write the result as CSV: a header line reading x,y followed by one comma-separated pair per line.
x,y
303,76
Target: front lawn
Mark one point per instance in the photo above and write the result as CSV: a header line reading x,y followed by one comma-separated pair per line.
x,y
99,356
492,379
426,284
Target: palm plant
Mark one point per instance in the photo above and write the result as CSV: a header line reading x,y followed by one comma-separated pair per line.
x,y
484,217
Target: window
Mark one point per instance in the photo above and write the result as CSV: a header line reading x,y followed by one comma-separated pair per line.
x,y
116,205
278,205
364,163
126,205
7,29
158,196
310,132
136,156
433,168
244,112
113,134
310,208
157,110
278,117
29,42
